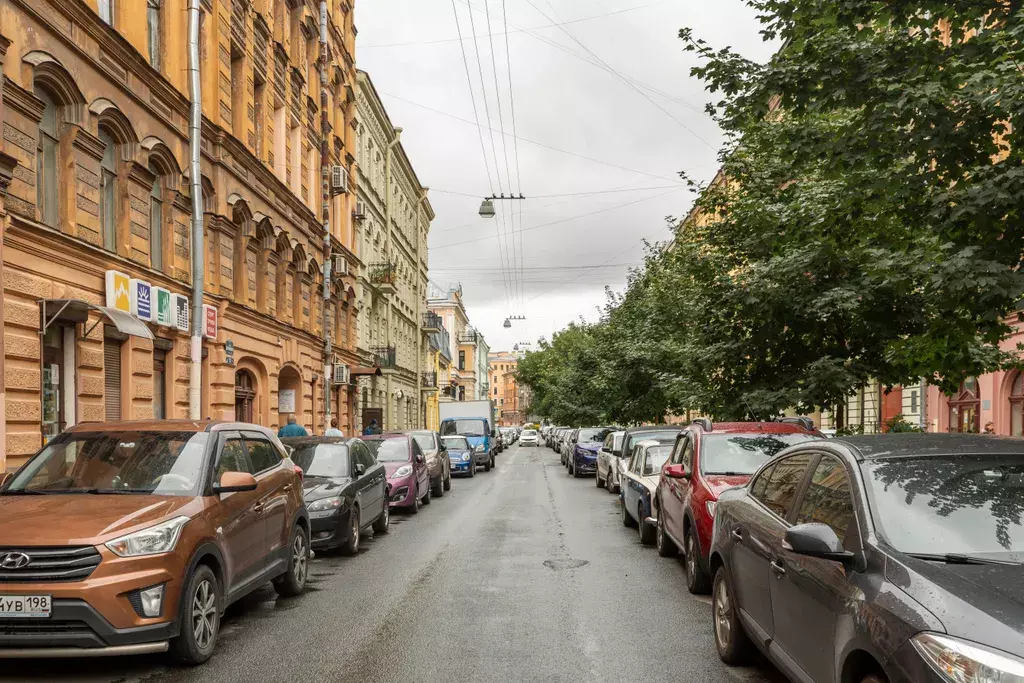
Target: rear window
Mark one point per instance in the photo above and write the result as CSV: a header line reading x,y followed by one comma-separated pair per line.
x,y
737,454
425,440
323,459
389,450
593,435
464,427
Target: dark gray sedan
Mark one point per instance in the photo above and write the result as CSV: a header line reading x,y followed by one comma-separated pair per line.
x,y
893,558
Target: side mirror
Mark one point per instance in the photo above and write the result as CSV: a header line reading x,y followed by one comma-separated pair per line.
x,y
419,458
360,469
816,540
234,482
675,471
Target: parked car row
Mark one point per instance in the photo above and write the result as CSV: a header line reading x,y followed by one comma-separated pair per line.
x,y
889,558
134,537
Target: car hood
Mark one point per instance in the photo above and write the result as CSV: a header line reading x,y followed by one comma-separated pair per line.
x,y
315,488
456,453
85,519
592,447
392,467
983,603
475,441
719,482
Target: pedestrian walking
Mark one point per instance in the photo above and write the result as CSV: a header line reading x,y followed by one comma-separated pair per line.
x,y
371,428
333,430
292,429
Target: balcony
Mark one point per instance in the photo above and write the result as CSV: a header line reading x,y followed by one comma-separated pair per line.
x,y
384,276
431,322
386,357
429,381
469,337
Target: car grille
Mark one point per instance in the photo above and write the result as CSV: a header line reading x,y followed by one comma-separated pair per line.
x,y
18,627
67,563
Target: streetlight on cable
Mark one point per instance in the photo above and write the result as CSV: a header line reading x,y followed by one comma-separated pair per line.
x,y
508,320
487,205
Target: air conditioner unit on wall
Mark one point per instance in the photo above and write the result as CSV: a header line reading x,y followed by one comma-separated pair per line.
x,y
360,213
339,180
339,265
342,374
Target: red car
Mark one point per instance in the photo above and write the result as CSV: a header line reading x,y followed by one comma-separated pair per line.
x,y
706,460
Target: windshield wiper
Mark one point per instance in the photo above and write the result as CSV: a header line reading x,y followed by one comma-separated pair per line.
x,y
26,492
958,558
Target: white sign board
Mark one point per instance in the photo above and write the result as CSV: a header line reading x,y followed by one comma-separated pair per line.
x,y
286,401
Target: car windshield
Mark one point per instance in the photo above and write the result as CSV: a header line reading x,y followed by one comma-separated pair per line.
x,y
739,454
657,456
389,450
148,462
464,427
593,435
322,459
529,432
969,505
425,440
456,443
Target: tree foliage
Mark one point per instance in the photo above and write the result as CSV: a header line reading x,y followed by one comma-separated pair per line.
x,y
866,223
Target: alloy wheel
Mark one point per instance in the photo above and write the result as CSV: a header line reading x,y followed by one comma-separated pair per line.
x,y
300,558
659,540
723,613
204,607
691,556
355,531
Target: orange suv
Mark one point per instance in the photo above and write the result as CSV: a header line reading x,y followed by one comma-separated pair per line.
x,y
133,537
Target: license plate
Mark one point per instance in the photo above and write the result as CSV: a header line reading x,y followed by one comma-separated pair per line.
x,y
27,606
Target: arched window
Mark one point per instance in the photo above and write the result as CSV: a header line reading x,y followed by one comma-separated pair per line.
x,y
1017,405
46,161
245,396
156,220
965,408
108,191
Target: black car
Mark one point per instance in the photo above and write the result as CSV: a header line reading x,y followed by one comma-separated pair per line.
x,y
894,558
344,488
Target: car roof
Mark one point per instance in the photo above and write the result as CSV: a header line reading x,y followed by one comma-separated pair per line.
x,y
386,435
653,428
910,444
313,440
758,427
647,443
167,426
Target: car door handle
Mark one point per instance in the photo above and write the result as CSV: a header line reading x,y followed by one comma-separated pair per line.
x,y
257,507
777,567
286,487
737,535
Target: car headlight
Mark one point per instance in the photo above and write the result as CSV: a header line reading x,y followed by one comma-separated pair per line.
x,y
403,471
157,539
711,505
465,457
324,504
960,661
479,449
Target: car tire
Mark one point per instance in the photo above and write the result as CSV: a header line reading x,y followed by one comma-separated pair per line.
x,y
472,470
697,580
429,495
382,524
627,520
666,546
576,473
874,678
448,481
598,480
731,641
487,466
438,489
355,529
493,464
293,581
646,530
608,483
415,507
190,647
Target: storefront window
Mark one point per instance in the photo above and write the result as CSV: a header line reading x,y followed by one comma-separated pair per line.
x,y
159,384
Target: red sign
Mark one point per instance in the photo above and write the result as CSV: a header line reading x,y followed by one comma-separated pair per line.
x,y
209,321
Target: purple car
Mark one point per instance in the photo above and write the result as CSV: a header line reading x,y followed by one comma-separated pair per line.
x,y
408,478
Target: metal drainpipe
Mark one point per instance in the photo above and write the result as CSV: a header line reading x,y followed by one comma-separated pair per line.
x,y
325,215
195,131
387,259
419,316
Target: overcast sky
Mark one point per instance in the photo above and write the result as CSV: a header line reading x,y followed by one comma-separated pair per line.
x,y
603,104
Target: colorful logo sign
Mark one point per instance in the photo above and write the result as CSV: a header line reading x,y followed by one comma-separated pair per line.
x,y
142,299
180,312
164,315
118,291
209,321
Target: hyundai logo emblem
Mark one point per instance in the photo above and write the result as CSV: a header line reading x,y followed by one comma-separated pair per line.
x,y
14,560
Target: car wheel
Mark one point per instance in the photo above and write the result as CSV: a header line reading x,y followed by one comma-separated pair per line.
x,y
575,472
608,483
415,507
697,579
438,489
351,546
598,480
666,548
383,523
627,520
293,581
428,495
493,464
874,678
646,530
734,647
487,466
448,481
472,470
200,618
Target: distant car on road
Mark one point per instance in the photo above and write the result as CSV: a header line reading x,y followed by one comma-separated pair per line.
x,y
706,460
461,455
437,461
406,466
639,482
607,461
586,442
345,490
891,558
529,437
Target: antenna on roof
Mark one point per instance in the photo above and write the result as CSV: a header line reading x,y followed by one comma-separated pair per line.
x,y
749,409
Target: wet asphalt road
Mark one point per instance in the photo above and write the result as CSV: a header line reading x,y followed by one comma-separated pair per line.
x,y
520,574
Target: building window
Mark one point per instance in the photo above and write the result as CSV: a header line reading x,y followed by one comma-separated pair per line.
x,y
112,379
245,396
237,94
462,360
153,32
1017,406
58,380
964,408
159,384
108,191
46,162
156,221
913,402
107,11
259,91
